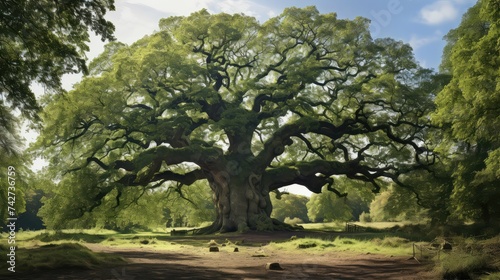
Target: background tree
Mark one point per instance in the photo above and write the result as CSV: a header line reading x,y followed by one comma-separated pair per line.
x,y
191,206
290,206
468,110
328,207
143,209
41,41
250,108
29,219
396,205
9,153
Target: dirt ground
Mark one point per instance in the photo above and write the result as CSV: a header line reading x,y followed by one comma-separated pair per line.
x,y
199,263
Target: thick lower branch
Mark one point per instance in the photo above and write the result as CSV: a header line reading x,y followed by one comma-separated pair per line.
x,y
282,137
186,179
316,174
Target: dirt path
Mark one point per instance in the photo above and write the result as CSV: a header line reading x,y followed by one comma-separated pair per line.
x,y
199,263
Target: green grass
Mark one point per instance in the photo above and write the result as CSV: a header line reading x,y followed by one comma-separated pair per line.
x,y
391,246
332,226
50,249
64,255
460,265
471,257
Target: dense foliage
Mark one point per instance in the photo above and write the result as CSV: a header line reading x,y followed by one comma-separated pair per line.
x,y
396,205
327,207
468,110
39,42
289,206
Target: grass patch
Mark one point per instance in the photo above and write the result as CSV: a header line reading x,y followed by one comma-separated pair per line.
x,y
471,258
70,236
332,226
391,241
390,246
459,265
66,255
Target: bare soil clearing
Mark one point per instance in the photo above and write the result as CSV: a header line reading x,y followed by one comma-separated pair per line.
x,y
199,263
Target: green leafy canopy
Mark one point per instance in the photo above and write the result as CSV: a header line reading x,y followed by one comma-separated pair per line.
x,y
468,109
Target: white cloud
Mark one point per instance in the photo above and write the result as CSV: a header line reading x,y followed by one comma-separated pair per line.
x,y
185,8
246,7
417,42
180,8
465,1
439,12
134,19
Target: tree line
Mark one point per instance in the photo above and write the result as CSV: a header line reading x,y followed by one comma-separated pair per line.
x,y
193,207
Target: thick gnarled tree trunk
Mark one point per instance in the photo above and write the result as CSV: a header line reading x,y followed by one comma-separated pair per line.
x,y
242,202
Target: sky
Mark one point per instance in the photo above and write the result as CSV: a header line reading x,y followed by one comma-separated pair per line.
x,y
420,23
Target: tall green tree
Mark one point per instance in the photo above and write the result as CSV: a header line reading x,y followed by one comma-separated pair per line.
x,y
290,206
397,204
249,107
143,209
468,109
41,41
190,206
327,206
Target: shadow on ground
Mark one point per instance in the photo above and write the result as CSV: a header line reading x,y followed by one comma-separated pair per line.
x,y
176,265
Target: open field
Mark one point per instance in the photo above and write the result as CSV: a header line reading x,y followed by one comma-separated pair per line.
x,y
307,254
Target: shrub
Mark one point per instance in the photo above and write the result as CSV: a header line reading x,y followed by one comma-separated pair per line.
x,y
293,221
393,241
459,265
365,217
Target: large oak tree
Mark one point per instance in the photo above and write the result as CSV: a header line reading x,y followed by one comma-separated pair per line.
x,y
248,107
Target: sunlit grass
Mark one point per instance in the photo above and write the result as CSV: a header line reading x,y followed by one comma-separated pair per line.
x,y
332,226
64,255
340,226
471,257
394,246
460,265
383,225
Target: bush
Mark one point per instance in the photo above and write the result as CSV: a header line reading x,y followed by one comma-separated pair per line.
x,y
65,255
460,265
293,221
365,217
391,241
